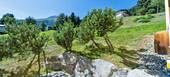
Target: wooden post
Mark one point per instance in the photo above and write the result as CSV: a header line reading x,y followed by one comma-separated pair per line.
x,y
161,42
167,11
161,39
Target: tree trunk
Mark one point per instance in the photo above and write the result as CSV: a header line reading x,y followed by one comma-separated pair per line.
x,y
157,8
1,56
68,49
39,65
29,65
108,42
46,70
94,42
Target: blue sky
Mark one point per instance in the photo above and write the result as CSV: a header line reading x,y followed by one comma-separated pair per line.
x,y
45,8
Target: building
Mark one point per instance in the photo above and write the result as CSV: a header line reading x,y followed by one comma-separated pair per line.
x,y
2,28
121,14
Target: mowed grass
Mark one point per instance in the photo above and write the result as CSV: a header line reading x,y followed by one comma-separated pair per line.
x,y
132,35
129,21
127,35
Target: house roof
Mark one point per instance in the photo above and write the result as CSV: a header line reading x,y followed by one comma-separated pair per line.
x,y
1,25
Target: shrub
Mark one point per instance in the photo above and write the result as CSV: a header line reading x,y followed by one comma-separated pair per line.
x,y
149,16
143,19
3,47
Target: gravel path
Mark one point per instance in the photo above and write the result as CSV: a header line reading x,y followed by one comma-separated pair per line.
x,y
152,62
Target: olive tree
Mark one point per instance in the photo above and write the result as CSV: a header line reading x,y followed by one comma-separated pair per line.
x,y
65,35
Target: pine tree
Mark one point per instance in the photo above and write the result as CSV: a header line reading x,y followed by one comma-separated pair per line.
x,y
43,26
65,35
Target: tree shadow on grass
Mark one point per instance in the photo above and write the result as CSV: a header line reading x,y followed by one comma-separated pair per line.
x,y
130,57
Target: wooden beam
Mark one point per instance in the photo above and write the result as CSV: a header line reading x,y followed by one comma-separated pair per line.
x,y
167,11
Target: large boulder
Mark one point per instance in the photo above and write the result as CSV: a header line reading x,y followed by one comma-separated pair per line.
x,y
138,73
66,62
75,65
83,68
102,68
57,74
78,66
120,72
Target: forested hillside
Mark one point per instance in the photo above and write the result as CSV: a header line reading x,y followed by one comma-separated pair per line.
x,y
148,7
144,7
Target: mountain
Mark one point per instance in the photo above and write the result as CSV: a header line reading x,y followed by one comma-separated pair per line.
x,y
49,21
52,17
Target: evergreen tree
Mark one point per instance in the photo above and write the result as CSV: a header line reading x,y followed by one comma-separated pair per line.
x,y
4,48
86,31
159,4
60,21
7,18
106,22
43,26
147,7
101,22
72,17
30,21
65,35
26,39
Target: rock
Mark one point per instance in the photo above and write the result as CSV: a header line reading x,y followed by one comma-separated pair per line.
x,y
57,74
102,68
138,73
154,63
83,68
66,62
70,58
78,66
96,68
121,72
